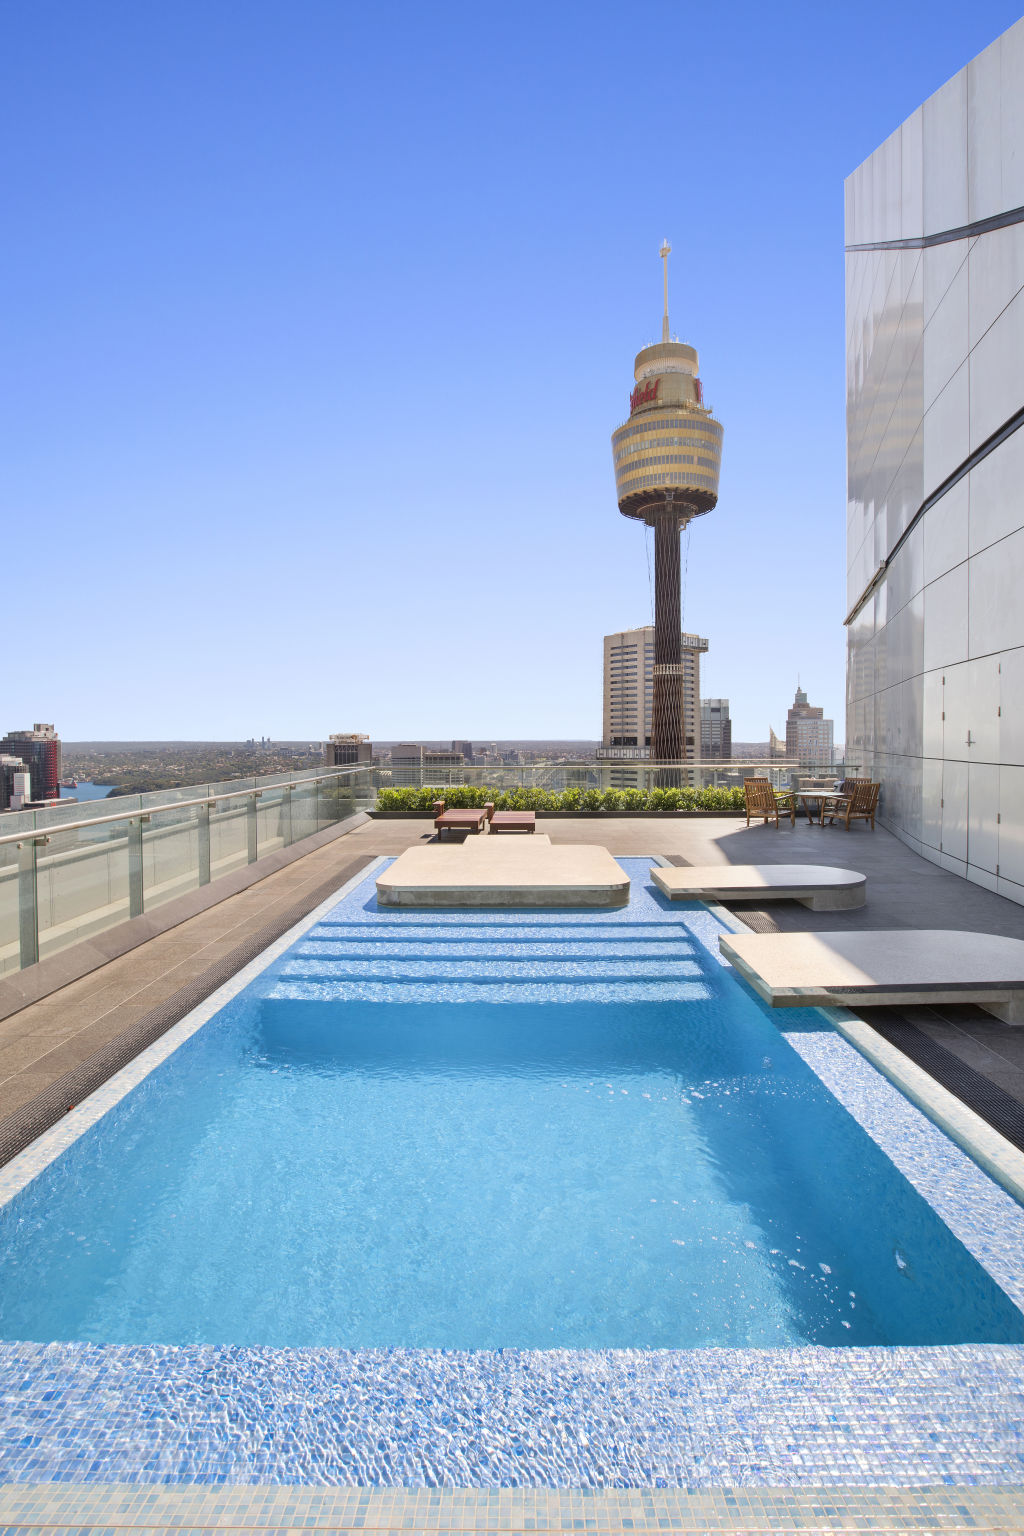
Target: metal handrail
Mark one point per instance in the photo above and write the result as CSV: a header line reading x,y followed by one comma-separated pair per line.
x,y
145,812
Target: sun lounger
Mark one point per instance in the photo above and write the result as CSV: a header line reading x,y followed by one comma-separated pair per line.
x,y
472,820
882,968
818,886
513,821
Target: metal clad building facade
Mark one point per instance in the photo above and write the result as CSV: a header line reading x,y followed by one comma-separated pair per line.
x,y
935,427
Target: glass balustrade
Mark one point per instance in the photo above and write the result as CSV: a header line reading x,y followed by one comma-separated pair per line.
x,y
72,871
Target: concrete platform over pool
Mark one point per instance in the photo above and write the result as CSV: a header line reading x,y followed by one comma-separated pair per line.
x,y
821,887
504,873
802,970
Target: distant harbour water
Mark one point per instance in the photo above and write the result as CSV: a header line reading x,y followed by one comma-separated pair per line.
x,y
86,791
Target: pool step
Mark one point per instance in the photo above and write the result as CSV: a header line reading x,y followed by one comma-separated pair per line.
x,y
674,991
460,932
553,969
420,949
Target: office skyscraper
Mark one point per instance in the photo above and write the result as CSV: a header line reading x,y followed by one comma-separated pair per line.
x,y
667,458
715,730
345,749
39,749
629,673
808,733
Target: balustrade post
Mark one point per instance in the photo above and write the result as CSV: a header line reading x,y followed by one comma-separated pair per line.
x,y
28,901
204,842
136,890
251,825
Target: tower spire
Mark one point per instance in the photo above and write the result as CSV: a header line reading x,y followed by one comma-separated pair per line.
x,y
664,253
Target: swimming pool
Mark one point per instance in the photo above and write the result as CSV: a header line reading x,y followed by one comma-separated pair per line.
x,y
481,1131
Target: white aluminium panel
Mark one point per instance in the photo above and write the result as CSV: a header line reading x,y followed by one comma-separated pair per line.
x,y
945,156
996,585
995,275
997,373
1011,827
945,619
982,809
1011,703
954,810
997,493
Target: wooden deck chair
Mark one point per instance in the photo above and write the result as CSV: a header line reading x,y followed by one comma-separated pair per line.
x,y
762,800
860,805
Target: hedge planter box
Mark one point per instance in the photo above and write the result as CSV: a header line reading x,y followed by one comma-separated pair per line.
x,y
568,815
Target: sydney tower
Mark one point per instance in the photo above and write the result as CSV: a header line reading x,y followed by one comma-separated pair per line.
x,y
667,458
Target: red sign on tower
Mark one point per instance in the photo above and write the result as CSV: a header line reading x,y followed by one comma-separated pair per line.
x,y
644,394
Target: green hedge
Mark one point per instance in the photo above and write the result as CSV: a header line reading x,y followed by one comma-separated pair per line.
x,y
465,795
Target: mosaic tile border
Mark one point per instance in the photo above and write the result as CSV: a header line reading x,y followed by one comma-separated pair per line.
x,y
684,1420
982,1142
511,1511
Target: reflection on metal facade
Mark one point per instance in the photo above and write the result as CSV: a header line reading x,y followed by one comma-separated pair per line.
x,y
667,458
935,520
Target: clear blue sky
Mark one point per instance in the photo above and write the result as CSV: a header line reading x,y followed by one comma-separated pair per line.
x,y
317,318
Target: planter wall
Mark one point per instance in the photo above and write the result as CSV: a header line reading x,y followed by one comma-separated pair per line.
x,y
573,815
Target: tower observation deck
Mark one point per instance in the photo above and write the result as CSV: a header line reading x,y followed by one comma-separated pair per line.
x,y
667,458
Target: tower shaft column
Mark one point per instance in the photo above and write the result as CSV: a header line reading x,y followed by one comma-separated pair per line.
x,y
668,740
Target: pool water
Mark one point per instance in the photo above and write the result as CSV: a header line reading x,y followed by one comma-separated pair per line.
x,y
489,1130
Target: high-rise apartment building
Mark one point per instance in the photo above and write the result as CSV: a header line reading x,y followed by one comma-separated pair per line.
x,y
715,730
809,736
466,748
935,448
630,670
667,458
40,751
344,750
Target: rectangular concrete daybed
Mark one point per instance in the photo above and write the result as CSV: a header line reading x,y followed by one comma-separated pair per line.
x,y
885,967
818,886
505,872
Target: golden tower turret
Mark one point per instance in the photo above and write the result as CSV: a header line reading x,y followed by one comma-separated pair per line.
x,y
667,458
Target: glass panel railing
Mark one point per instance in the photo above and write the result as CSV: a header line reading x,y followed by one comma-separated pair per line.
x,y
303,817
81,884
229,835
273,820
170,855
10,944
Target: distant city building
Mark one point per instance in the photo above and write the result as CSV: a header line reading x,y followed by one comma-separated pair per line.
x,y
15,783
465,747
776,748
715,730
629,692
808,733
443,768
341,751
413,765
406,764
40,751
